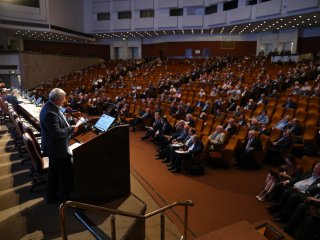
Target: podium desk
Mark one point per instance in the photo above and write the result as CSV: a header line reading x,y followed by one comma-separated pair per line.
x,y
101,165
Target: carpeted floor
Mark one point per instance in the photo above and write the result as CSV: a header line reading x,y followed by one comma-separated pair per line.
x,y
221,196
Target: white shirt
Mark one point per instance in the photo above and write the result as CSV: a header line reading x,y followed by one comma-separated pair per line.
x,y
303,185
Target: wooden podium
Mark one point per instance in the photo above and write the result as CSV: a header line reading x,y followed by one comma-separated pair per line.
x,y
101,165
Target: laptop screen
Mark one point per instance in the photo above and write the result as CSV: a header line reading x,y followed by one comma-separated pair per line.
x,y
104,122
38,101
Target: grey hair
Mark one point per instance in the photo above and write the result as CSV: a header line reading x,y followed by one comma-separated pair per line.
x,y
56,94
15,92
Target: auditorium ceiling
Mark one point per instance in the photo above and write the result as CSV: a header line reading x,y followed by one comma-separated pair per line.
x,y
309,20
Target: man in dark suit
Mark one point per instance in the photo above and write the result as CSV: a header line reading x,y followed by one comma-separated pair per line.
x,y
13,98
166,129
289,104
245,156
289,194
195,148
277,147
55,135
305,214
156,126
140,118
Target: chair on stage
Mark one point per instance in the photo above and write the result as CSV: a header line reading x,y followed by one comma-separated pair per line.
x,y
40,164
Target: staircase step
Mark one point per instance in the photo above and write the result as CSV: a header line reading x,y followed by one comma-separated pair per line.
x,y
15,196
12,180
11,167
15,221
8,157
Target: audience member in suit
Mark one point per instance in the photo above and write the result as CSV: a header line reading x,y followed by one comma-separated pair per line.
x,y
55,135
263,99
13,98
169,152
242,121
195,148
188,109
166,129
250,105
217,139
206,107
289,104
189,120
230,127
245,156
253,124
199,103
264,129
276,149
156,126
305,214
295,128
173,108
293,192
245,95
263,117
180,133
140,118
274,94
238,112
283,123
179,138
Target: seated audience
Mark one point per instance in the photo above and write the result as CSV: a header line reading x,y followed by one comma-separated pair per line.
x,y
186,154
140,118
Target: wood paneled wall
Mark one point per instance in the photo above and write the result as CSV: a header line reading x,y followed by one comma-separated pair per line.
x,y
170,49
309,45
74,49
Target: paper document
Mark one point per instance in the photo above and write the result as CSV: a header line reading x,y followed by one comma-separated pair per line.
x,y
73,146
181,151
177,145
80,121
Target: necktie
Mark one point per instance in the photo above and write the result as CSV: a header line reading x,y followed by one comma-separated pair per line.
x,y
248,145
64,118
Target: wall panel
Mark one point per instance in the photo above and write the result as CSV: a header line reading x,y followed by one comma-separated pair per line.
x,y
177,49
296,5
167,3
268,8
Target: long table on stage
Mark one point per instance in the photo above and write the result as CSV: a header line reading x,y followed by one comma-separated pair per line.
x,y
31,112
101,163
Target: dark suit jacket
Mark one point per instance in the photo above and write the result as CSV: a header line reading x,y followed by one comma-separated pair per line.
x,y
255,143
166,128
283,142
198,148
289,105
232,130
13,100
55,133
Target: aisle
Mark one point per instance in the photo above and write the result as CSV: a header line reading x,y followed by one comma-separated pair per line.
x,y
221,196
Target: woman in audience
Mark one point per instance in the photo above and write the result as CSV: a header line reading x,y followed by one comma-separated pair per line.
x,y
286,172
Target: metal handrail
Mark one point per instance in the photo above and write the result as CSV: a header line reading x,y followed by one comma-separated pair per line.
x,y
84,206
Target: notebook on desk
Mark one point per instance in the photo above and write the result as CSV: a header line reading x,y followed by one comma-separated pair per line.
x,y
72,147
